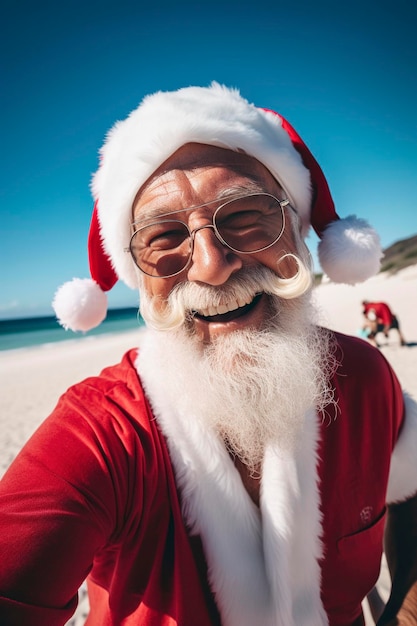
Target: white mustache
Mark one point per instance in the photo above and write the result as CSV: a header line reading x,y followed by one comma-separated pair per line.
x,y
239,291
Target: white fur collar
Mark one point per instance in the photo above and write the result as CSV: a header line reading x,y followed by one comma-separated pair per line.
x,y
262,564
403,470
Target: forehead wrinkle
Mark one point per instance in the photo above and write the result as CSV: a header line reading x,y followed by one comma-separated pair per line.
x,y
233,191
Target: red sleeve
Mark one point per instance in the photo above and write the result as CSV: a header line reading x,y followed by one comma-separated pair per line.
x,y
63,498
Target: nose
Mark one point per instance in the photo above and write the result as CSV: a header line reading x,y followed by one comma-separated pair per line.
x,y
212,262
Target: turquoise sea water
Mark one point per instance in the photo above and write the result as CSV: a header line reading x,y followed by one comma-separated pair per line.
x,y
35,331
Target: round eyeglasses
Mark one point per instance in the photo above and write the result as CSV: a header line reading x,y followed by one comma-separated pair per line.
x,y
246,225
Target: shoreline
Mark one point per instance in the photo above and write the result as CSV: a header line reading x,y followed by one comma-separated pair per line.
x,y
68,341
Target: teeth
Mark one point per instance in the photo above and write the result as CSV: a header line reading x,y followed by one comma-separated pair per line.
x,y
243,302
225,308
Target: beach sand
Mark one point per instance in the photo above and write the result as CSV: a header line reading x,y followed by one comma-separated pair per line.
x,y
33,378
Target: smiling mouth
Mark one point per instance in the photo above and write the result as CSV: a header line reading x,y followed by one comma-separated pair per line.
x,y
227,312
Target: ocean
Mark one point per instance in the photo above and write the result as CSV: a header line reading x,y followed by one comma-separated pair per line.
x,y
35,331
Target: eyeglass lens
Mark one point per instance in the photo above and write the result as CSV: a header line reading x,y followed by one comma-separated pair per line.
x,y
245,225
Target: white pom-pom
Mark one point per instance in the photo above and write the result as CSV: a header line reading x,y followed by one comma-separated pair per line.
x,y
80,304
350,251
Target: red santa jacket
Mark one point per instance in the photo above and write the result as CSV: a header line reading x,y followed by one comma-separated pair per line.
x,y
95,494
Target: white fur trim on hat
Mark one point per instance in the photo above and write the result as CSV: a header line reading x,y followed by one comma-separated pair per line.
x,y
164,122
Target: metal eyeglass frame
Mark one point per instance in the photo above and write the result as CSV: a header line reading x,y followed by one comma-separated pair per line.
x,y
191,233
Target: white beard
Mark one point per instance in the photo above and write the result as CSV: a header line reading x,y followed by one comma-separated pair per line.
x,y
251,387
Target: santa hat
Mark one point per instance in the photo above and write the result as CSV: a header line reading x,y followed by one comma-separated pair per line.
x,y
349,250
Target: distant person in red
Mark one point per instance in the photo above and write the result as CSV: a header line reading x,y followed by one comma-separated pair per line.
x,y
380,319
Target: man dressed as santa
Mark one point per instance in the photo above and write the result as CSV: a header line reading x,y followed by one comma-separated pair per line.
x,y
240,467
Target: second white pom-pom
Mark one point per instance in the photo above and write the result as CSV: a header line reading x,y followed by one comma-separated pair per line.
x,y
350,251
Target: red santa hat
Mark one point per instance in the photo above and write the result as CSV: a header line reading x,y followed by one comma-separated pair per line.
x,y
349,249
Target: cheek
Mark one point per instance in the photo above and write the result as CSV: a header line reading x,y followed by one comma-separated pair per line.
x,y
274,258
158,288
287,267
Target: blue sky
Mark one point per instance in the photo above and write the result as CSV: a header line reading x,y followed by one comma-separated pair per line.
x,y
344,74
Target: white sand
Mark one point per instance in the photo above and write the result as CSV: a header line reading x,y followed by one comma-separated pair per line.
x,y
32,379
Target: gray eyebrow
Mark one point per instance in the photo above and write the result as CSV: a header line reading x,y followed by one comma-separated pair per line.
x,y
235,191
